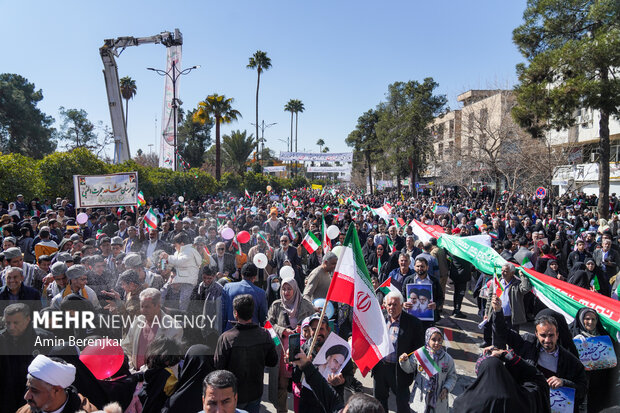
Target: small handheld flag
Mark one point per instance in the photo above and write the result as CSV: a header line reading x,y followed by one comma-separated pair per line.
x,y
426,362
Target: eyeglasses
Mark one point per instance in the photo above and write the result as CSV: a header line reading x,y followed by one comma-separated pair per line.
x,y
220,249
283,241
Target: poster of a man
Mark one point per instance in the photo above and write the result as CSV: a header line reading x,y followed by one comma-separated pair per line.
x,y
333,356
420,295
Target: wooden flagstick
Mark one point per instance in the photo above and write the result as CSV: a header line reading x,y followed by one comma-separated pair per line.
x,y
318,327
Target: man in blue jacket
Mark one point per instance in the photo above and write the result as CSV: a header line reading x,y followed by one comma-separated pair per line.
x,y
246,286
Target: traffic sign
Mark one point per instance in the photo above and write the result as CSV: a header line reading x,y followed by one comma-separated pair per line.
x,y
541,192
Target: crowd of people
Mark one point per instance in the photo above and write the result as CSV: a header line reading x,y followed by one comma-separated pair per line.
x,y
241,265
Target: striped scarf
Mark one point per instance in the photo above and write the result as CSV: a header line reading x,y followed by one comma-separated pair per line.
x,y
68,291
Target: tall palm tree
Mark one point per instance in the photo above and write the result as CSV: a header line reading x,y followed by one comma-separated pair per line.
x,y
220,108
299,107
320,143
290,107
260,62
128,91
237,148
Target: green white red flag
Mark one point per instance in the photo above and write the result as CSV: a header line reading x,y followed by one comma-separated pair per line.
x,y
425,360
310,242
141,200
272,333
527,263
150,219
351,285
325,242
383,212
247,194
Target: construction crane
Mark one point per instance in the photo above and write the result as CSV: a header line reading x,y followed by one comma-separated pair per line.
x,y
111,49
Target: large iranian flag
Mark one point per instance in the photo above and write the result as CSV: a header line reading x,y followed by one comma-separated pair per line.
x,y
351,285
383,212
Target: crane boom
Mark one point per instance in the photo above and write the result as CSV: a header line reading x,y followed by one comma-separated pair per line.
x,y
111,49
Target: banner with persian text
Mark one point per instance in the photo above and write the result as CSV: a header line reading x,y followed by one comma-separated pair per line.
x,y
93,191
329,169
320,157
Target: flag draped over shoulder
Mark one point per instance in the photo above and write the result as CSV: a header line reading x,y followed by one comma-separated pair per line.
x,y
351,285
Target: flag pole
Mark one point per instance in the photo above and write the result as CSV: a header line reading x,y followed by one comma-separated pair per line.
x,y
318,328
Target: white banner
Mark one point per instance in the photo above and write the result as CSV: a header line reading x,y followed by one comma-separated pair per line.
x,y
274,168
166,146
106,190
329,169
322,157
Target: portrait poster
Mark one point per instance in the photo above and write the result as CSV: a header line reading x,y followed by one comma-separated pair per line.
x,y
420,295
333,356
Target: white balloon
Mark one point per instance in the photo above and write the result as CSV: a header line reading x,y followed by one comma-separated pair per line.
x,y
181,199
479,222
260,260
287,272
333,231
338,250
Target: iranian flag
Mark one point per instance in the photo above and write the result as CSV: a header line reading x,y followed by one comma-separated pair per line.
x,y
425,360
390,244
310,242
383,212
141,200
325,242
272,333
150,219
247,194
351,285
387,287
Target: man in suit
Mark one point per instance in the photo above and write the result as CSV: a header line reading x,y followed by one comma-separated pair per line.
x,y
607,259
406,334
154,244
132,243
223,263
249,273
152,323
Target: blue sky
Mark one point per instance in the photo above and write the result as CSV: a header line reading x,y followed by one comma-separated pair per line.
x,y
337,57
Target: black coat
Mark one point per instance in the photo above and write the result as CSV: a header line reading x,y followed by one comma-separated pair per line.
x,y
438,296
26,295
528,347
410,338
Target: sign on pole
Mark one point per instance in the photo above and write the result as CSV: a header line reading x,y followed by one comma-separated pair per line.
x,y
541,193
106,190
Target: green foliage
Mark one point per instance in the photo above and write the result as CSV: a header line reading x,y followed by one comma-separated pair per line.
x,y
237,148
365,142
573,52
403,127
194,137
76,130
18,176
231,182
57,170
300,181
255,182
24,128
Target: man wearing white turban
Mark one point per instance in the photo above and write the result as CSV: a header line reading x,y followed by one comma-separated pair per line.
x,y
49,390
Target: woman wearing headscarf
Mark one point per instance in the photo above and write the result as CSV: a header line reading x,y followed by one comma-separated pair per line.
x,y
601,383
591,278
436,388
553,270
285,315
187,397
505,384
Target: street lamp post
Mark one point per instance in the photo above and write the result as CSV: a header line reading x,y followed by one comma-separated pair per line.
x,y
174,77
262,126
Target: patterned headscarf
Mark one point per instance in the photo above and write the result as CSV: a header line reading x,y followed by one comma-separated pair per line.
x,y
427,338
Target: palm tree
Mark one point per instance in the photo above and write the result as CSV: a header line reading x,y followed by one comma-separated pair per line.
x,y
320,143
325,149
299,107
237,148
221,109
290,107
260,62
128,91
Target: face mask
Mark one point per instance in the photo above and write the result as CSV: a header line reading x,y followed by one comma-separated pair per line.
x,y
275,286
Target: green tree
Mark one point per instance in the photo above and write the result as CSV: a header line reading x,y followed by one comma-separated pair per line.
x,y
572,49
128,91
320,143
194,138
19,176
237,148
57,170
404,126
76,130
221,109
24,128
364,140
260,62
